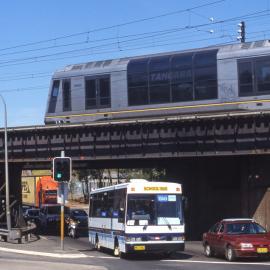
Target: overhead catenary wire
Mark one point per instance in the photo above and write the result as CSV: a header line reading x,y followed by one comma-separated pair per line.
x,y
115,25
261,15
38,57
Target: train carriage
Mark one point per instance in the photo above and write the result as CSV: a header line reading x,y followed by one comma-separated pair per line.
x,y
199,81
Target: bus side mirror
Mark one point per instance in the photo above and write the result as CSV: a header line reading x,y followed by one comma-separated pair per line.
x,y
185,203
121,215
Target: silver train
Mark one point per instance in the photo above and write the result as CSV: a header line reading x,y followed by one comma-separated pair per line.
x,y
213,79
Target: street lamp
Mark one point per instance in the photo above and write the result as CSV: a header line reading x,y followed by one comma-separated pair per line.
x,y
6,170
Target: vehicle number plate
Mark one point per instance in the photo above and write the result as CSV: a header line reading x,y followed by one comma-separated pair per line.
x,y
262,250
139,247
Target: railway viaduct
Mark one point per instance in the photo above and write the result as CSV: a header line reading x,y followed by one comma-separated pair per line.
x,y
222,160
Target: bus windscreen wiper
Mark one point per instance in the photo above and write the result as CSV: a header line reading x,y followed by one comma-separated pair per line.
x,y
167,222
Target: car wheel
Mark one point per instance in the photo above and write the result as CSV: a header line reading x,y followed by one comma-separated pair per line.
x,y
230,254
208,250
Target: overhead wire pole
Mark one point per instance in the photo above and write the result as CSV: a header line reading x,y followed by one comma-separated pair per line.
x,y
8,218
242,32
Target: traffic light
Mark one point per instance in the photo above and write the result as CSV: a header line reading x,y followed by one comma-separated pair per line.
x,y
242,32
62,169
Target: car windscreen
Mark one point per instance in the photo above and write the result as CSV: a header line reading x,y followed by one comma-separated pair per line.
x,y
51,192
56,210
33,213
78,213
245,228
154,209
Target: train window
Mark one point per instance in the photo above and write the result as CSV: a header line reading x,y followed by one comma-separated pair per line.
x,y
159,69
159,79
205,91
137,79
138,82
182,92
173,78
55,88
138,95
104,92
97,92
182,62
205,59
245,78
138,66
205,75
160,93
90,94
263,75
54,95
66,95
181,76
254,76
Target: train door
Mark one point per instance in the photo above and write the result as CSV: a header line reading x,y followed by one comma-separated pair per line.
x,y
97,92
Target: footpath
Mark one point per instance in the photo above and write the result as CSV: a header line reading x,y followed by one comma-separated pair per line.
x,y
44,246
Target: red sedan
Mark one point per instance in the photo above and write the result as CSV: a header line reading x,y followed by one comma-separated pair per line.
x,y
237,238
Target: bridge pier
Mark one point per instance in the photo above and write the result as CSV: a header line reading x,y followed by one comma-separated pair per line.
x,y
15,171
223,187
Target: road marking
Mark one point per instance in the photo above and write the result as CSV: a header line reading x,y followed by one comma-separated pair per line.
x,y
45,254
43,237
55,255
215,262
106,257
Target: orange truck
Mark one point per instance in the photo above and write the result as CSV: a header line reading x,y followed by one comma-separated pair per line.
x,y
39,190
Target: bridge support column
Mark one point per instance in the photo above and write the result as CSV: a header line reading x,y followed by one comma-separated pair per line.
x,y
15,172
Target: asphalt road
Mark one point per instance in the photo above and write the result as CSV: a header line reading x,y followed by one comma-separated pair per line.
x,y
191,259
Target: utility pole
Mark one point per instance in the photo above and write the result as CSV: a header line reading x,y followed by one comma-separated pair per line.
x,y
242,32
8,218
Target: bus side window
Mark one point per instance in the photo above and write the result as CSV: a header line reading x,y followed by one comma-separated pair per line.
x,y
96,209
119,204
90,214
109,207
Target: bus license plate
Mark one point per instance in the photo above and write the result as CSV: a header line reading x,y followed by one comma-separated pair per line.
x,y
139,247
262,250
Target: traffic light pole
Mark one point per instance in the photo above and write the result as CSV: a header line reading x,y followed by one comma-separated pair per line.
x,y
62,168
62,230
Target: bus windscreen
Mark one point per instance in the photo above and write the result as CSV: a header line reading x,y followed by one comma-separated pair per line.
x,y
154,209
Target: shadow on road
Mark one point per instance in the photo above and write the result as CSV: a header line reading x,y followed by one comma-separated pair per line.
x,y
145,256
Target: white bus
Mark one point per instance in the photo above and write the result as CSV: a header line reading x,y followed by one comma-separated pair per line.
x,y
139,216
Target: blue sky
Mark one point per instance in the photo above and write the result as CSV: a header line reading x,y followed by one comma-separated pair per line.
x,y
25,69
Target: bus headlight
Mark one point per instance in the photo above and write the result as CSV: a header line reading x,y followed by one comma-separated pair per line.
x,y
178,238
133,239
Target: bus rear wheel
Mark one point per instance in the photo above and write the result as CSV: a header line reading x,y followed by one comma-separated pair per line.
x,y
97,245
116,250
